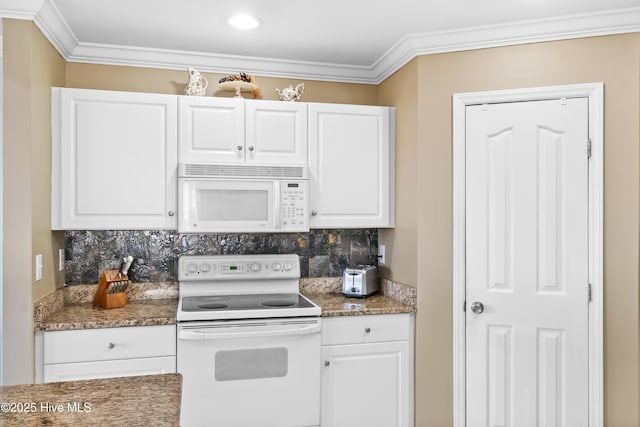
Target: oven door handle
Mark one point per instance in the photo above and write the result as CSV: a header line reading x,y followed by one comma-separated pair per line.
x,y
202,334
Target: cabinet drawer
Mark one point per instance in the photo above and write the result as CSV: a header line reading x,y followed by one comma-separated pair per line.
x,y
365,329
109,344
109,369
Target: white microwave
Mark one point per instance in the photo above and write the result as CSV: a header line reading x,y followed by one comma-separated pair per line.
x,y
242,198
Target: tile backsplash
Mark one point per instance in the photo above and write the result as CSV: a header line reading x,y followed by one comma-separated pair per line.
x,y
323,253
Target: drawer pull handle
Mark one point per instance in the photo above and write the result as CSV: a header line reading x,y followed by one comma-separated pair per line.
x,y
111,345
367,330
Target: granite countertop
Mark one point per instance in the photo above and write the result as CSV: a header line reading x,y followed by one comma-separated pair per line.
x,y
135,313
131,401
148,304
327,293
335,304
156,304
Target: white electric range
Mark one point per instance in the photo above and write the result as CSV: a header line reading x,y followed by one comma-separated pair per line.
x,y
248,342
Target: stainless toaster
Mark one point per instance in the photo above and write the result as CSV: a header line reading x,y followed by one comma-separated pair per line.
x,y
361,281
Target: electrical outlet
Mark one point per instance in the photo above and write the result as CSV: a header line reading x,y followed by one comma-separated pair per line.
x,y
381,254
60,259
38,267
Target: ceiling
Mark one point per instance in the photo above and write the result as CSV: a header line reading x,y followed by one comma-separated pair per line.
x,y
360,41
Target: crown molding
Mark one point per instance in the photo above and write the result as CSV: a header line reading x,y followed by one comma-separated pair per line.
x,y
49,20
54,27
216,63
523,32
20,9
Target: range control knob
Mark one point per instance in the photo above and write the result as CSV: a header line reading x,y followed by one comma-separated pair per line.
x,y
192,268
205,268
288,266
276,266
254,267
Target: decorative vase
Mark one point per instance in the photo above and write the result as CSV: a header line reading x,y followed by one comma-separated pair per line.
x,y
197,85
290,93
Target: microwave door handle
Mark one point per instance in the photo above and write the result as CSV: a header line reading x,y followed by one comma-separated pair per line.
x,y
201,335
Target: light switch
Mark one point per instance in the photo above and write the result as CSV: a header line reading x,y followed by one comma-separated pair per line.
x,y
38,267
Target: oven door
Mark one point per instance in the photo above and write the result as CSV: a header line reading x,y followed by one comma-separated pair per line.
x,y
228,205
250,373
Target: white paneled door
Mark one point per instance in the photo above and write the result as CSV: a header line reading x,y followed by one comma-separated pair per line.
x,y
527,270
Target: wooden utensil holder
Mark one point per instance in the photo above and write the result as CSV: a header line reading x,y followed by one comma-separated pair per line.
x,y
107,300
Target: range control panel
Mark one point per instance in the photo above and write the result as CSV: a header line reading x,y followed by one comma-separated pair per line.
x,y
238,267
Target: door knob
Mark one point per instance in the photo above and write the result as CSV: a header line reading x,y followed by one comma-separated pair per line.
x,y
239,147
477,307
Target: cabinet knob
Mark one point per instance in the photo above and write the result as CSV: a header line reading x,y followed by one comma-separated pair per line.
x,y
314,213
239,147
367,330
171,213
111,345
327,363
251,148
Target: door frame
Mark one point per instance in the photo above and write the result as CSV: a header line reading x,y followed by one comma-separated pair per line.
x,y
595,94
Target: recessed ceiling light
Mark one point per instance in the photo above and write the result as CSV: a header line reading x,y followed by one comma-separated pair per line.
x,y
244,22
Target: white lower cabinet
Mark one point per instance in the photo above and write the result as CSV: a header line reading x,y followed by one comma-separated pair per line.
x,y
367,377
108,352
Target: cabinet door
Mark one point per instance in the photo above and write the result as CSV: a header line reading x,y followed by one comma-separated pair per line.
x,y
211,130
351,166
366,385
114,160
276,132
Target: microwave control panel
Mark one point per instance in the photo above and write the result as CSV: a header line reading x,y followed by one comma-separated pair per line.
x,y
293,206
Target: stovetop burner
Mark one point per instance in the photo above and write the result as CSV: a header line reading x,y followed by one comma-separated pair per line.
x,y
244,302
278,303
212,306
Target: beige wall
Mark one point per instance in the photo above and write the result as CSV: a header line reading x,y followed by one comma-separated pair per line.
x,y
400,91
614,60
47,71
110,77
30,68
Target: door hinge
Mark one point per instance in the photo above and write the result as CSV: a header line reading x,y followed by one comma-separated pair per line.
x,y
589,291
464,306
589,148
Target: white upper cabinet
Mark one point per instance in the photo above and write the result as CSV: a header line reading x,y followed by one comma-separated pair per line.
x,y
211,129
276,132
114,160
351,166
230,130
